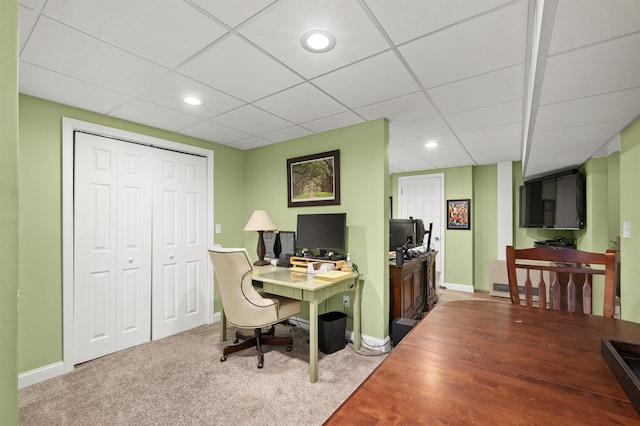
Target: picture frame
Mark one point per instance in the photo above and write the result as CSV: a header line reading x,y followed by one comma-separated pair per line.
x,y
459,214
314,180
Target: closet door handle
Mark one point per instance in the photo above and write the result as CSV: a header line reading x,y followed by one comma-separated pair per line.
x,y
171,256
131,260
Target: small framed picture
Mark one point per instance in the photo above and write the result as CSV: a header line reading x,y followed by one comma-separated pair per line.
x,y
459,214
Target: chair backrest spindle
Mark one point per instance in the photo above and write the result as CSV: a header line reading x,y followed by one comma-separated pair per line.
x,y
570,278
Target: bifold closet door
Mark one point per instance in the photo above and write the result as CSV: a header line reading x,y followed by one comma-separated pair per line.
x,y
112,240
179,244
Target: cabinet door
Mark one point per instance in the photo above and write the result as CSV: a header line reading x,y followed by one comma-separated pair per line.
x,y
418,289
407,295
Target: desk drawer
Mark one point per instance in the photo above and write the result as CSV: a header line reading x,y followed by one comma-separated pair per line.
x,y
280,290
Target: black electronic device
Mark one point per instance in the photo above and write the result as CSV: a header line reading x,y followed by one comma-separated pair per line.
x,y
401,233
323,231
556,201
399,328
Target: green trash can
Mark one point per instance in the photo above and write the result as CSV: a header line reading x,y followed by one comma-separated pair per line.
x,y
331,330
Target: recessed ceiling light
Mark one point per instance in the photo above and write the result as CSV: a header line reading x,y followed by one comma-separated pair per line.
x,y
192,100
431,144
318,40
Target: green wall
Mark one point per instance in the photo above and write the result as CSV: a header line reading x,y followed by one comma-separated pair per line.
x,y
485,225
364,194
40,231
9,209
630,211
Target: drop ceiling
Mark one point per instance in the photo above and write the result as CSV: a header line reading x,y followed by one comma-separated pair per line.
x,y
479,77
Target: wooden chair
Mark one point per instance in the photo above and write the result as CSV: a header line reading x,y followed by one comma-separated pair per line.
x,y
567,269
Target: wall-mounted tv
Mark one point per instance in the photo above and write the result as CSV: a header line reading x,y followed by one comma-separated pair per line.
x,y
555,201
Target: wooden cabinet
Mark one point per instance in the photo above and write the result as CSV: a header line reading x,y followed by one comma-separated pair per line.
x,y
412,287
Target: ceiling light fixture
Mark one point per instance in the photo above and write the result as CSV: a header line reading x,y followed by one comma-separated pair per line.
x,y
431,144
192,100
318,40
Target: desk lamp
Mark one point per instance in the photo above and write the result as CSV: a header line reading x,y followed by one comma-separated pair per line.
x,y
260,221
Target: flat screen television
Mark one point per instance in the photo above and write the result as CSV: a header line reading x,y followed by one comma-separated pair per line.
x,y
555,201
323,231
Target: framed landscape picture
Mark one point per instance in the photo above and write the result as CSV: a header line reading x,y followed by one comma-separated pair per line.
x,y
459,214
314,180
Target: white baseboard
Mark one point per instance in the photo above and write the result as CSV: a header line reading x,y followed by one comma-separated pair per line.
x,y
459,287
40,374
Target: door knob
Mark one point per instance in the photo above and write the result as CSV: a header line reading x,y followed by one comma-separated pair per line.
x,y
171,256
436,238
131,260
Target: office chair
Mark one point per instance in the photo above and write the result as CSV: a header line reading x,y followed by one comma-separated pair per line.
x,y
245,307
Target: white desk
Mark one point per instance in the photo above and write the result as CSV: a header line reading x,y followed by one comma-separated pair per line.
x,y
284,282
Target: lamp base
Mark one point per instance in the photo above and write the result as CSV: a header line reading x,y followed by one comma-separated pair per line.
x,y
261,262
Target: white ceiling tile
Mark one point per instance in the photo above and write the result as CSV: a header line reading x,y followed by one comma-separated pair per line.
x,y
491,116
250,143
489,134
278,32
405,109
240,70
300,104
233,16
409,19
67,51
601,68
405,160
486,43
591,110
483,90
287,134
337,121
171,90
416,134
153,115
582,22
168,35
601,133
495,151
42,83
356,86
449,157
251,120
214,132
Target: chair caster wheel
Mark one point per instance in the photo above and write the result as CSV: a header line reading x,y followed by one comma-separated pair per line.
x,y
260,365
289,348
223,358
235,340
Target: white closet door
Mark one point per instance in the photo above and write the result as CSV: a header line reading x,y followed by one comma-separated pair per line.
x,y
112,238
179,244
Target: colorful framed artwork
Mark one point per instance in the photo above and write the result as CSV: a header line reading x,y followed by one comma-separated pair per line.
x,y
459,214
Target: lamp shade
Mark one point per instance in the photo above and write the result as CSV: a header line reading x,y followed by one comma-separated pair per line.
x,y
260,221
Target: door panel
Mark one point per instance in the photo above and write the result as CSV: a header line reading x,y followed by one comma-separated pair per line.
x,y
421,197
180,249
95,212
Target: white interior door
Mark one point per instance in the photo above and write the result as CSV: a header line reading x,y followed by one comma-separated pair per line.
x,y
112,237
421,197
179,244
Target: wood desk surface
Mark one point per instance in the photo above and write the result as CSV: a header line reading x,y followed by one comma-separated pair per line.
x,y
483,362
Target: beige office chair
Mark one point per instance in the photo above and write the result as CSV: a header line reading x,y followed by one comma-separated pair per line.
x,y
245,307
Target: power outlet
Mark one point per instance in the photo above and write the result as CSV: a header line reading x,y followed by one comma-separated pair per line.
x,y
346,302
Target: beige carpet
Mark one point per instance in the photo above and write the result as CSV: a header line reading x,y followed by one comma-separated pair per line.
x,y
180,380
